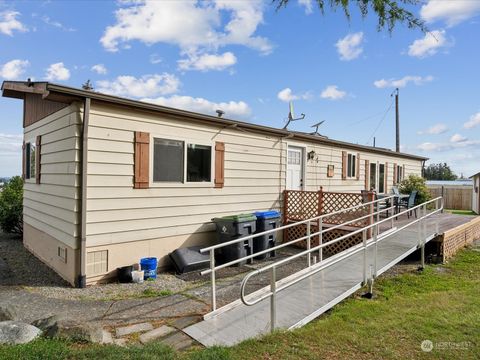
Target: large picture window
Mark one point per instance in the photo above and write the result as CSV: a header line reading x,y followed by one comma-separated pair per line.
x,y
180,161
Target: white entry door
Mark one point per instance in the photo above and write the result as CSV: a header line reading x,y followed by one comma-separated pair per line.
x,y
294,168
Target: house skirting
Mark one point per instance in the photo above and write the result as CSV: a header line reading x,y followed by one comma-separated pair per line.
x,y
63,259
130,253
453,240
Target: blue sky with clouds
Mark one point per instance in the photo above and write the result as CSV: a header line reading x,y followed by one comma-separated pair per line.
x,y
251,60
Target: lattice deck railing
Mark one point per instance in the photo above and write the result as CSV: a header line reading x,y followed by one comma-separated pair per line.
x,y
303,205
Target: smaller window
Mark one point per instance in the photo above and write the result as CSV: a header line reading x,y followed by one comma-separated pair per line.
x,y
352,166
199,163
30,160
400,174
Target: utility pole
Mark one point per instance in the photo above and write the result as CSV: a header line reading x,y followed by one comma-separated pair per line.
x,y
397,122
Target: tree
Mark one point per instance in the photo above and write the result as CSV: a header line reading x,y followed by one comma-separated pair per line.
x,y
388,11
439,172
414,182
11,207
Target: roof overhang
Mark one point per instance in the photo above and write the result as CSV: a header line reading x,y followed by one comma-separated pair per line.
x,y
61,93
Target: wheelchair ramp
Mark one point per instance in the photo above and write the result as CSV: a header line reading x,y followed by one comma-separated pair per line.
x,y
308,298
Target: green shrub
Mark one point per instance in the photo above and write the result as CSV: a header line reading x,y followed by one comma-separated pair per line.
x,y
414,182
11,207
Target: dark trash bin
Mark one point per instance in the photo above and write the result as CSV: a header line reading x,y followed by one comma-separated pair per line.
x,y
189,259
231,228
266,220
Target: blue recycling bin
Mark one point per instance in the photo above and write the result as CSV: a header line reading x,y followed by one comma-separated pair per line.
x,y
266,220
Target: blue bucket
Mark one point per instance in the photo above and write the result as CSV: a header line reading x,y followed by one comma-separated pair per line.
x,y
149,266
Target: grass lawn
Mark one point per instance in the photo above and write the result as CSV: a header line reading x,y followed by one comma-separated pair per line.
x,y
441,304
461,212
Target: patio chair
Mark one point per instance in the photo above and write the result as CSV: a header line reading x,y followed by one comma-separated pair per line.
x,y
409,203
382,206
395,190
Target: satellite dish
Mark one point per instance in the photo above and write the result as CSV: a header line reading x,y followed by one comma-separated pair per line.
x,y
316,126
291,116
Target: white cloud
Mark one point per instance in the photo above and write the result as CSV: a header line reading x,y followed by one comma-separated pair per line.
x,y
233,109
308,4
208,62
452,12
350,47
13,69
400,83
333,93
10,144
452,145
287,95
47,20
155,59
457,138
145,86
99,69
473,122
429,45
434,130
57,71
191,25
9,23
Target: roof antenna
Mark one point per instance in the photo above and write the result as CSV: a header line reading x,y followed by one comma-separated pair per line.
x,y
316,126
220,113
291,116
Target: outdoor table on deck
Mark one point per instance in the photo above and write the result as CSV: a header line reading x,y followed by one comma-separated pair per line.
x,y
397,199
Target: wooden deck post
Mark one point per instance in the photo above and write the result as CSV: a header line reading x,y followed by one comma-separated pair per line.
x,y
285,214
319,212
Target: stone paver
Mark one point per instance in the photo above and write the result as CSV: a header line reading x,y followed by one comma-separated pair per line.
x,y
130,329
120,342
179,341
156,333
183,322
107,337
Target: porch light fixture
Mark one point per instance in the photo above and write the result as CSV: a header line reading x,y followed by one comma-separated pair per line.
x,y
311,155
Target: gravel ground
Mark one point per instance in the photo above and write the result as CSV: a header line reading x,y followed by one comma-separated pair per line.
x,y
20,268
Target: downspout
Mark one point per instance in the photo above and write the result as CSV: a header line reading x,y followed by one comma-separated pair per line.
x,y
82,276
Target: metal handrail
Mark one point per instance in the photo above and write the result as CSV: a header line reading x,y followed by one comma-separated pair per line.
x,y
266,232
347,253
321,231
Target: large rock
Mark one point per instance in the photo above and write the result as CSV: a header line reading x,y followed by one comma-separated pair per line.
x,y
16,332
7,313
47,323
75,331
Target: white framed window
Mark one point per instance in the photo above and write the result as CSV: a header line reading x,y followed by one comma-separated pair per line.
x,y
377,177
177,161
352,165
30,160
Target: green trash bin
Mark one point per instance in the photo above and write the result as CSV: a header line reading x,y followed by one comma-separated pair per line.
x,y
231,228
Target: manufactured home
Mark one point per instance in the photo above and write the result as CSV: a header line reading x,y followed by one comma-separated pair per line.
x,y
110,180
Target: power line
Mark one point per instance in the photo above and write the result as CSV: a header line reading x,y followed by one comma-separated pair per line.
x,y
380,123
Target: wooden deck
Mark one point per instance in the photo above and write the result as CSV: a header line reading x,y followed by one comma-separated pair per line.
x,y
309,298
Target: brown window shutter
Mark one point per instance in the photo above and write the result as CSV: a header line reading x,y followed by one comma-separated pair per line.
x,y
142,163
395,173
38,154
344,165
24,160
219,164
358,166
403,173
367,173
386,178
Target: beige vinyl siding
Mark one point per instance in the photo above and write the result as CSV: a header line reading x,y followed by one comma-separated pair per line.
x,y
254,179
316,171
53,205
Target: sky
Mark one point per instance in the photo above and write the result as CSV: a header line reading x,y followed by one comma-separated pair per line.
x,y
250,60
